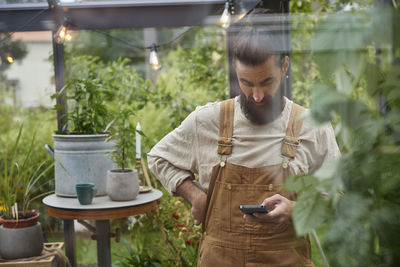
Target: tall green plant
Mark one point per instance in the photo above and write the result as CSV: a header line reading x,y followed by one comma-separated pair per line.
x,y
122,131
86,105
19,180
356,196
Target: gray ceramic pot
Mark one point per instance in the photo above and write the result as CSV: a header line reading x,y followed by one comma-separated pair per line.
x,y
21,242
122,186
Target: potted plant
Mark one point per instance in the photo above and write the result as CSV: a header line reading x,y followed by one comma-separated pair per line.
x,y
81,151
20,232
122,183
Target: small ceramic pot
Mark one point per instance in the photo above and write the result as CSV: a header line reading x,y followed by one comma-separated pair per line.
x,y
122,185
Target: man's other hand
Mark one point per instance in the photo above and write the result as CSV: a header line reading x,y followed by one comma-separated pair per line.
x,y
199,207
195,196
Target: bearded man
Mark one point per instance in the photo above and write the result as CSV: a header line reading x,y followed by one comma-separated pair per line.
x,y
243,150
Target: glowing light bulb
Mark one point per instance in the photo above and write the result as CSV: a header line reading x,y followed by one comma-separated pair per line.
x,y
240,16
61,34
9,59
68,37
242,11
153,60
225,19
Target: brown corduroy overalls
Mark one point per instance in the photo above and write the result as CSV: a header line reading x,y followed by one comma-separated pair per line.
x,y
230,240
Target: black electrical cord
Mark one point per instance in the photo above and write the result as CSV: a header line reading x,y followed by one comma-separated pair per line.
x,y
138,47
23,26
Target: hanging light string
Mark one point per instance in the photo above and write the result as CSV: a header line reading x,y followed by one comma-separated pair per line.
x,y
128,44
153,58
62,34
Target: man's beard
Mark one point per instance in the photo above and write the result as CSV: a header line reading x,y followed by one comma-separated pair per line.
x,y
268,110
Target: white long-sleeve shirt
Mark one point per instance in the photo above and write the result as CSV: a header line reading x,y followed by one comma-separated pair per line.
x,y
192,147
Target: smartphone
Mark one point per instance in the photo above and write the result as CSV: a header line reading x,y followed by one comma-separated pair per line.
x,y
250,209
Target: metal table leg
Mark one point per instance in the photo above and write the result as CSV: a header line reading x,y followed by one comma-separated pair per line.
x,y
103,243
69,238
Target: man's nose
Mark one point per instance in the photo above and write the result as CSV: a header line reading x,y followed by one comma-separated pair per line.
x,y
258,95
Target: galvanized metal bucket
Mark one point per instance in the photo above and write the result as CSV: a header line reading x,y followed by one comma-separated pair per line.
x,y
81,159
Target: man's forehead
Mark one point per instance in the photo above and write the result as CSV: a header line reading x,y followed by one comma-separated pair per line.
x,y
263,68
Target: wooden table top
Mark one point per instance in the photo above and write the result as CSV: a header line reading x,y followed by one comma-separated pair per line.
x,y
102,208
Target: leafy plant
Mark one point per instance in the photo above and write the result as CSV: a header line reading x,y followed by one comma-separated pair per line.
x,y
122,131
173,239
19,181
356,196
140,256
86,108
193,75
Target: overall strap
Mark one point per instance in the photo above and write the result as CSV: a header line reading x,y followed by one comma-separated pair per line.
x,y
227,111
291,140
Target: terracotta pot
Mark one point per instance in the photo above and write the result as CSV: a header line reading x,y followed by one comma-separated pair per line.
x,y
20,223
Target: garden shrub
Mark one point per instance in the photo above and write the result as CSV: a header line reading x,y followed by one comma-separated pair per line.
x,y
356,197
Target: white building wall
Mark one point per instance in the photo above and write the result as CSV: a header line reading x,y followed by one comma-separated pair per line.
x,y
34,74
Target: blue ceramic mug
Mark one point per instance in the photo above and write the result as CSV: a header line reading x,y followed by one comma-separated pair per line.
x,y
85,192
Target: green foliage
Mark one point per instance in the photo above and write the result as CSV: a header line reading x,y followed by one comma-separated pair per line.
x,y
96,91
19,180
177,240
122,131
305,15
193,76
356,196
128,87
86,108
140,256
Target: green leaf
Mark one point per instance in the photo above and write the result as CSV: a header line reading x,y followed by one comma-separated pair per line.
x,y
300,183
373,75
310,211
328,170
343,82
337,41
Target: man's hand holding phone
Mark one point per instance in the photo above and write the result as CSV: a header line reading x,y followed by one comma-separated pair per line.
x,y
279,210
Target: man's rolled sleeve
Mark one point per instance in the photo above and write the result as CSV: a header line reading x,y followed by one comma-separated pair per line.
x,y
173,159
327,148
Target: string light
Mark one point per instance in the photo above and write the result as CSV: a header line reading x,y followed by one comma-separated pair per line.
x,y
225,19
153,60
68,37
61,35
235,10
242,11
9,59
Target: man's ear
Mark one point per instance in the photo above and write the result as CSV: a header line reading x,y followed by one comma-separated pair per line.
x,y
285,65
